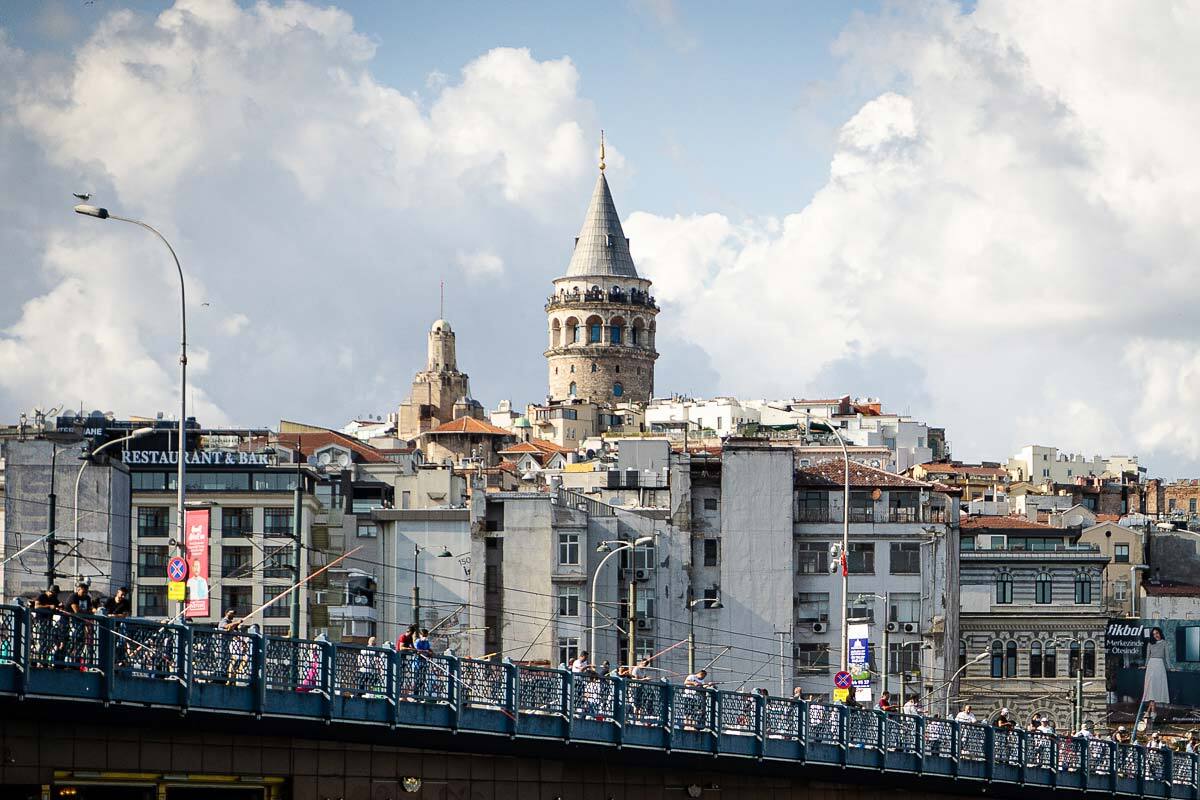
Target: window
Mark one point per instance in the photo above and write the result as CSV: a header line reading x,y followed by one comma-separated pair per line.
x,y
568,549
812,506
1043,589
710,504
861,558
277,631
904,608
330,493
1121,589
235,562
904,657
1073,654
903,506
1035,660
618,389
811,657
862,507
905,558
1121,553
962,653
237,522
997,659
812,558
712,548
278,563
643,648
710,596
571,389
615,332
1191,505
861,609
238,598
152,561
1004,588
152,521
633,336
568,649
406,499
148,481
1171,504
1089,659
152,601
1010,659
281,607
643,556
568,601
645,605
214,481
277,521
1049,661
812,607
367,530
1083,589
284,481
594,367
594,332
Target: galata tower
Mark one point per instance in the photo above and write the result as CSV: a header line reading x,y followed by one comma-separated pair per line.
x,y
601,315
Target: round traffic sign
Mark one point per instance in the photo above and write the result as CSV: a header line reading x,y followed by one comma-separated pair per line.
x,y
177,569
843,680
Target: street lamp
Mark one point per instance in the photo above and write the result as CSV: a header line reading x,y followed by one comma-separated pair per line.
x,y
845,552
958,672
137,433
691,607
102,213
611,547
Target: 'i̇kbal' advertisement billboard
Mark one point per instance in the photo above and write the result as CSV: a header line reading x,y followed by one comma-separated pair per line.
x,y
1153,664
196,541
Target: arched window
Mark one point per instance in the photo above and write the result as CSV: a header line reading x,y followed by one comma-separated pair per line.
x,y
1083,589
997,659
593,366
1035,660
615,330
1010,659
571,390
1049,661
1043,589
618,369
1004,588
618,389
962,653
1073,660
1089,659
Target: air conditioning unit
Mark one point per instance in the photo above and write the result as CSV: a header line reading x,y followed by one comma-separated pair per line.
x,y
912,627
644,624
820,627
641,575
623,573
892,627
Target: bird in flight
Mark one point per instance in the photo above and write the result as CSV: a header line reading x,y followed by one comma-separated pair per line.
x,y
84,196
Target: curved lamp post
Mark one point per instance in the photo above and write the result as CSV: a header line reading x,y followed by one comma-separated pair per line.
x,y
137,433
845,634
615,546
181,495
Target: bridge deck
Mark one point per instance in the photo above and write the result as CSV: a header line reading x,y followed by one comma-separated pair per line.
x,y
133,663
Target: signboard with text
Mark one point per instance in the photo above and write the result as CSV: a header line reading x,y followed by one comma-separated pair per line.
x,y
1151,661
859,659
196,540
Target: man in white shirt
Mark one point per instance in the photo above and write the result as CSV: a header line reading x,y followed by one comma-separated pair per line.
x,y
1085,732
581,663
911,707
696,679
965,715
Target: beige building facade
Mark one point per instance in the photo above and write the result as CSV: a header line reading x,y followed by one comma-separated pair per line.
x,y
440,393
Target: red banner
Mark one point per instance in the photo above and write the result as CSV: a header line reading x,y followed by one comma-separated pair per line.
x,y
196,540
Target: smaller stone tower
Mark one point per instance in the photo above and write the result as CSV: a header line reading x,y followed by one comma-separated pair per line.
x,y
436,389
601,315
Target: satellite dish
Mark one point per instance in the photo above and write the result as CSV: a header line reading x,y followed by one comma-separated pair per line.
x,y
342,459
1075,521
324,459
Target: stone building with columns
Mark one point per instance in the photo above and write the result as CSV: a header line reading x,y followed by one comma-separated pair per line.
x,y
601,316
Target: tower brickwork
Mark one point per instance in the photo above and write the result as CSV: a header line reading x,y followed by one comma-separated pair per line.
x,y
435,389
601,316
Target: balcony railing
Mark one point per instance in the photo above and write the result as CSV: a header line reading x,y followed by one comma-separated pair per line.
x,y
865,515
633,298
56,656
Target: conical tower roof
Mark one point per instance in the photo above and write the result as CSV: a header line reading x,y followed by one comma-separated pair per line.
x,y
601,249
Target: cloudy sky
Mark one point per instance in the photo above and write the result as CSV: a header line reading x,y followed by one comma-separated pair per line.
x,y
987,214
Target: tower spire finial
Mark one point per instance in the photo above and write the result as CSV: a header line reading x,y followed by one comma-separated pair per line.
x,y
441,300
602,150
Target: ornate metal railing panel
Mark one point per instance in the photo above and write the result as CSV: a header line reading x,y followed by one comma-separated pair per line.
x,y
645,704
62,640
361,671
294,665
782,719
692,709
146,650
540,691
738,713
221,657
824,723
863,728
484,684
972,742
594,698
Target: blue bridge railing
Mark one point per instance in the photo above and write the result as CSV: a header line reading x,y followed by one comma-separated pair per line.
x,y
56,655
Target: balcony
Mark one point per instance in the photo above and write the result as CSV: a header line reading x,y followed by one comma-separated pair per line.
x,y
631,298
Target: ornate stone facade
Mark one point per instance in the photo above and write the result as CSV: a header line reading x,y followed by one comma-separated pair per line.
x,y
601,316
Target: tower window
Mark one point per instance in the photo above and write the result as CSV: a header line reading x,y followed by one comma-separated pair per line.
x,y
618,389
633,336
618,369
571,389
616,334
593,366
572,369
594,333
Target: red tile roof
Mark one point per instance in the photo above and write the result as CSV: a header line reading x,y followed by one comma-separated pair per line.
x,y
942,468
1172,590
537,447
469,425
310,442
983,522
1108,518
833,473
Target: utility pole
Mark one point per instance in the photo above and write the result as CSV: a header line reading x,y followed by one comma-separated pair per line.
x,y
887,613
691,632
1079,695
632,622
783,692
416,595
297,516
52,500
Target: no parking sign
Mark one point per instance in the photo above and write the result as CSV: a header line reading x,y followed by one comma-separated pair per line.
x,y
177,569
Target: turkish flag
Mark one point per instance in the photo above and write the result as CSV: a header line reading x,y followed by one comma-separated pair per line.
x,y
845,566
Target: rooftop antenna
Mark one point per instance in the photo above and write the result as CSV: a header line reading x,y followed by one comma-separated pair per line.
x,y
602,150
441,299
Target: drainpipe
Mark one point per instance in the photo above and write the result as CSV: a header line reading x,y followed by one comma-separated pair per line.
x,y
1134,569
